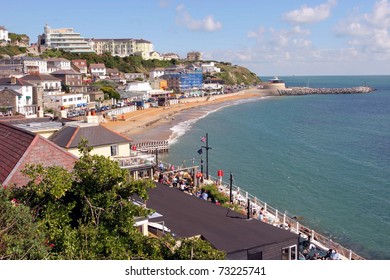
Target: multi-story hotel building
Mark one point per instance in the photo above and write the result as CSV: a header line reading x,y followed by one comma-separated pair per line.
x,y
63,39
121,47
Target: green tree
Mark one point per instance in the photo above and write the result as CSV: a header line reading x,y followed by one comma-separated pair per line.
x,y
111,92
89,213
197,249
20,238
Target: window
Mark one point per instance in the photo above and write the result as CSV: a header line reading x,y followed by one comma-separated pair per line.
x,y
289,253
114,150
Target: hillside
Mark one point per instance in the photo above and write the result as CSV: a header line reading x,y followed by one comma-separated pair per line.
x,y
231,74
234,74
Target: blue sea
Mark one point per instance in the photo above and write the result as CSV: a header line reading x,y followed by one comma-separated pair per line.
x,y
325,158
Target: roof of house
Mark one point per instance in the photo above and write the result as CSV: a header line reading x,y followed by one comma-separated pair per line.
x,y
226,230
13,144
59,59
19,146
97,65
97,135
18,82
40,77
142,41
66,72
14,92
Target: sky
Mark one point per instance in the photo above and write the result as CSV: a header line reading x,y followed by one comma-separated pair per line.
x,y
271,38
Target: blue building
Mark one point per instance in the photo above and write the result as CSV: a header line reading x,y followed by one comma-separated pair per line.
x,y
185,80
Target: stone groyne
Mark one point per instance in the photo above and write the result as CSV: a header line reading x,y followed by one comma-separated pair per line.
x,y
307,90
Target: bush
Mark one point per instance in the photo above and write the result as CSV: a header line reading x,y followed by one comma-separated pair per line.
x,y
215,194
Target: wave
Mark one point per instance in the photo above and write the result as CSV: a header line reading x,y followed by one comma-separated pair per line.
x,y
181,128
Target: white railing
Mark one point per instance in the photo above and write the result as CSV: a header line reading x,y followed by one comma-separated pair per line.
x,y
280,219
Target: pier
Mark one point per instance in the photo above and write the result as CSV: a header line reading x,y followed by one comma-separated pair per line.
x,y
151,147
308,90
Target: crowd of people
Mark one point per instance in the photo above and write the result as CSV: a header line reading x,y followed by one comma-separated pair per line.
x,y
183,179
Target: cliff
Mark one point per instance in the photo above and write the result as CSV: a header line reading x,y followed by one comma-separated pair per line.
x,y
234,74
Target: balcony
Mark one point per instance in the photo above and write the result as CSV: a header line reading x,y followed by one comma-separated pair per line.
x,y
136,161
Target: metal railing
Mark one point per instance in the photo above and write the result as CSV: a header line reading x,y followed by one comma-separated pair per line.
x,y
280,219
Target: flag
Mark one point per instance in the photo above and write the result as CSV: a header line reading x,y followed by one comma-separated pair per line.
x,y
203,139
200,151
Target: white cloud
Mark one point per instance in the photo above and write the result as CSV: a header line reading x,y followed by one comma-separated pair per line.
x,y
380,16
298,30
257,33
369,31
291,51
310,14
184,18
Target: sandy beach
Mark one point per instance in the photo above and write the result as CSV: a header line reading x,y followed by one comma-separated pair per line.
x,y
155,123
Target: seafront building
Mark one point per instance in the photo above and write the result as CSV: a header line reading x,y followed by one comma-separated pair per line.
x,y
122,47
187,81
65,39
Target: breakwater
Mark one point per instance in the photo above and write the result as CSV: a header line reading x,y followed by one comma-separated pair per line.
x,y
307,90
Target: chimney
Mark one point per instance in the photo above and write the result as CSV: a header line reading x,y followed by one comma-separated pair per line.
x,y
13,80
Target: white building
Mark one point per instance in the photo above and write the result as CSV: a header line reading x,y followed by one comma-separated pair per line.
x,y
25,100
58,63
121,47
156,73
34,65
137,91
51,85
210,68
64,39
67,100
4,35
169,56
97,69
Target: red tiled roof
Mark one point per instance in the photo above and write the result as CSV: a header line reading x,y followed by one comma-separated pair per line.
x,y
13,144
19,147
97,65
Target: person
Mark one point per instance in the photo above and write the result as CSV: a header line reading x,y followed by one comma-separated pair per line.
x,y
205,195
217,202
315,256
183,186
335,255
328,254
161,178
161,166
174,182
261,214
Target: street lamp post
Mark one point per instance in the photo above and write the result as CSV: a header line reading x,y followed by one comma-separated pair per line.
x,y
207,155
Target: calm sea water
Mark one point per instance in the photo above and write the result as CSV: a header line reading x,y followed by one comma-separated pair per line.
x,y
323,157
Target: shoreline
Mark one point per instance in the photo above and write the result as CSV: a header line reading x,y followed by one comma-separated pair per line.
x,y
154,124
